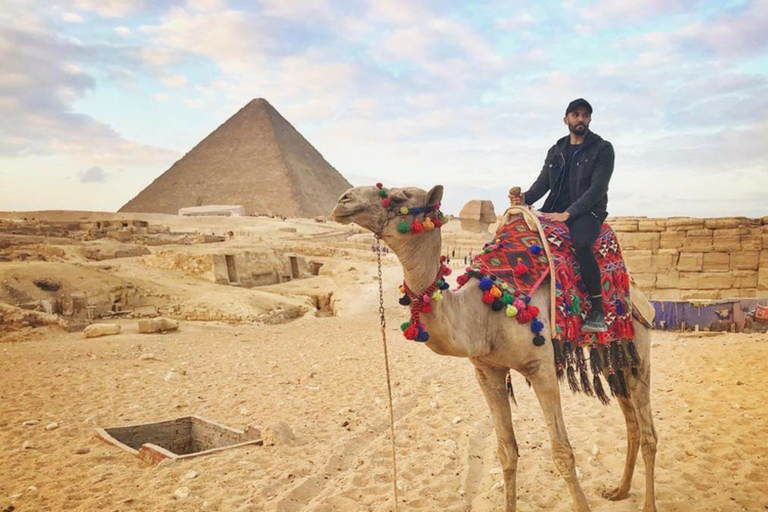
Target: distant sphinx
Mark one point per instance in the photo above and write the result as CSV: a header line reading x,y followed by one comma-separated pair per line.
x,y
477,215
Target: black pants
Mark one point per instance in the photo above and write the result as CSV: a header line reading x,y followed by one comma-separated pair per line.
x,y
584,231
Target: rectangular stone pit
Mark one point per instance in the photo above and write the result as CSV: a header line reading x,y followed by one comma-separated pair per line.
x,y
181,438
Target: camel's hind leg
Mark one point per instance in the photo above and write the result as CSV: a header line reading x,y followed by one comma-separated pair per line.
x,y
492,381
633,444
640,388
545,384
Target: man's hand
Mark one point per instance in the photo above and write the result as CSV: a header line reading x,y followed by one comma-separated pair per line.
x,y
557,217
516,197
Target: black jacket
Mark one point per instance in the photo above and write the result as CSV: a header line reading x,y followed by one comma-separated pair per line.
x,y
590,173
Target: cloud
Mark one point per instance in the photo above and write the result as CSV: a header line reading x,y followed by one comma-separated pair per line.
x,y
71,17
110,8
93,175
123,31
174,81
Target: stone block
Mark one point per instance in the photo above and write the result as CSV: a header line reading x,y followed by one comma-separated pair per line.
x,y
651,225
716,262
698,244
668,280
744,278
726,243
699,294
745,260
690,261
644,281
665,259
97,330
752,241
159,324
764,258
639,241
705,280
672,239
277,434
639,261
762,279
623,225
765,240
665,294
740,293
699,232
729,222
684,224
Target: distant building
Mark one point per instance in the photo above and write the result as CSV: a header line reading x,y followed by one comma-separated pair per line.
x,y
213,210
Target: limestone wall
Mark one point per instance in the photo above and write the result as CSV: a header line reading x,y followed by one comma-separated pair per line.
x,y
685,258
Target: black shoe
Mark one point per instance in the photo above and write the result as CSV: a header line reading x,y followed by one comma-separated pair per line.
x,y
595,321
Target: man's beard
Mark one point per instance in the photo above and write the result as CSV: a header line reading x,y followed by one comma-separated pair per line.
x,y
579,129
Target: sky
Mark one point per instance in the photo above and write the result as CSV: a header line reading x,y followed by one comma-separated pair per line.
x,y
99,97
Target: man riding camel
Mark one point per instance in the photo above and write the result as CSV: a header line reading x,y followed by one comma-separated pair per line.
x,y
576,173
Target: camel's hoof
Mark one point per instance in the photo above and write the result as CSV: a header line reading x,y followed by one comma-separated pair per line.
x,y
615,494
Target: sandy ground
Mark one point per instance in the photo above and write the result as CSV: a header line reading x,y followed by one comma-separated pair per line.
x,y
325,378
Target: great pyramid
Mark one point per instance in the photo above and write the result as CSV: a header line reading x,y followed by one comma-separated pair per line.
x,y
255,159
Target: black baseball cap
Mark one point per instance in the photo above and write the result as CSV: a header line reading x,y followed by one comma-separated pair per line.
x,y
581,102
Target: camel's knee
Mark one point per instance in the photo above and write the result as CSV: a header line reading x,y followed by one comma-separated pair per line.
x,y
565,462
649,441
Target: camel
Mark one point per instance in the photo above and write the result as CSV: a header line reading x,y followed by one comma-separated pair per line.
x,y
462,326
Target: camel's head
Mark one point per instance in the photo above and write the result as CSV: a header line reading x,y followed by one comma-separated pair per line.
x,y
363,206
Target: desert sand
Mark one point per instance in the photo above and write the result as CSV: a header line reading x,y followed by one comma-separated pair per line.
x,y
324,376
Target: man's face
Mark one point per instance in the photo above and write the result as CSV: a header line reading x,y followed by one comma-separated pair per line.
x,y
578,121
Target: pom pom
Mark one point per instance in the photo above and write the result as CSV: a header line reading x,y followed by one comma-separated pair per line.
x,y
402,227
405,300
520,269
444,286
382,192
401,288
422,335
495,292
411,332
523,316
438,222
504,286
527,299
538,340
576,304
536,325
428,224
507,299
511,311
437,296
535,249
447,270
426,308
405,325
385,202
534,311
379,185
497,305
485,284
519,304
416,227
488,298
462,279
426,298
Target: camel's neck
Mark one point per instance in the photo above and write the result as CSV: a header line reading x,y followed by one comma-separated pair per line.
x,y
420,257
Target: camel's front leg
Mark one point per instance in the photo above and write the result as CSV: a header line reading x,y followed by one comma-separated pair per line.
x,y
545,384
492,381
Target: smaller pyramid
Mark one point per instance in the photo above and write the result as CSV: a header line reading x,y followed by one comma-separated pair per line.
x,y
256,159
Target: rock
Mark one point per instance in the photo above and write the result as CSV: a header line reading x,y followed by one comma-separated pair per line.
x,y
27,445
148,357
739,383
191,475
159,324
456,420
279,433
595,450
97,330
496,471
244,411
82,451
52,426
32,489
181,492
433,404
497,486
579,474
30,423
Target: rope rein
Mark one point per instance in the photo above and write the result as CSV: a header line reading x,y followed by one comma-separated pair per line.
x,y
383,321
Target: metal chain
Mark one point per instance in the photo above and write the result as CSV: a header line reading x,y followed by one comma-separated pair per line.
x,y
383,320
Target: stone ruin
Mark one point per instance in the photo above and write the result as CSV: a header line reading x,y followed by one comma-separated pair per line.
x,y
477,215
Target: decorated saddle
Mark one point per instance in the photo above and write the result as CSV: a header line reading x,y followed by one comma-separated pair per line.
x,y
525,253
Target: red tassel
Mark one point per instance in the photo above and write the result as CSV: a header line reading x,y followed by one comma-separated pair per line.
x,y
426,308
416,227
385,202
523,316
462,279
379,185
436,220
488,298
447,270
411,332
534,311
520,268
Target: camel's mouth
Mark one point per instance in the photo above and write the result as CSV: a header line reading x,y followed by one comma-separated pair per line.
x,y
341,212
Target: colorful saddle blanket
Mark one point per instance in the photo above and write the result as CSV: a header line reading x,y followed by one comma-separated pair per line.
x,y
517,261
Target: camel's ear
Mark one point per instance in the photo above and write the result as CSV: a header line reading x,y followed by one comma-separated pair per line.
x,y
435,195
